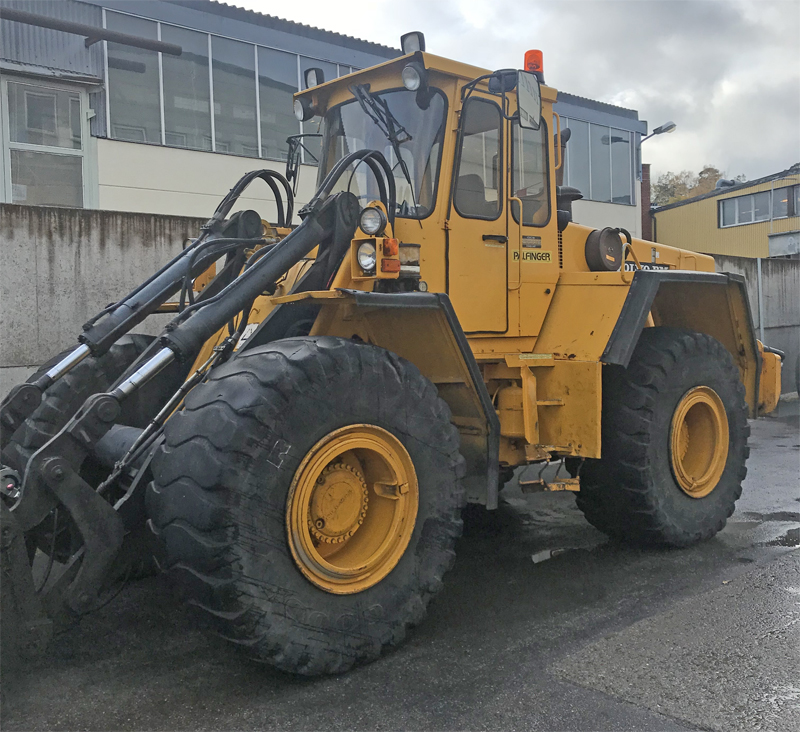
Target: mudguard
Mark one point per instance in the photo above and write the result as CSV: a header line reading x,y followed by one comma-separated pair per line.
x,y
427,333
706,302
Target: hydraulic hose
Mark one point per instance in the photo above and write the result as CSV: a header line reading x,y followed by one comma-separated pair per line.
x,y
186,335
285,215
380,168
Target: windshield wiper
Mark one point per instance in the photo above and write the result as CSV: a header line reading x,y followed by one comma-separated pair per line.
x,y
378,111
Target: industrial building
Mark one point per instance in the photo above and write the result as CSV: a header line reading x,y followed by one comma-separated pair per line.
x,y
112,126
106,125
758,218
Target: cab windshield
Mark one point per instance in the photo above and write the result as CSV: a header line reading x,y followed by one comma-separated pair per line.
x,y
347,128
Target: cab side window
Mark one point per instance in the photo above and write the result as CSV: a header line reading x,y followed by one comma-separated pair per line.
x,y
478,192
529,180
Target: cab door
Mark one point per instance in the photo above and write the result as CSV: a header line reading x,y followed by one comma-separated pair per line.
x,y
477,249
533,234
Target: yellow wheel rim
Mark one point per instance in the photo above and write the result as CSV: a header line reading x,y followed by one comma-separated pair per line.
x,y
699,441
351,508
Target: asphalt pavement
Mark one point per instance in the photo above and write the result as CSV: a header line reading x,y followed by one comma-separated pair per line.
x,y
543,625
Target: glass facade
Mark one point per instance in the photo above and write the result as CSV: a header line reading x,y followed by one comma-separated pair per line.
x,y
187,101
133,83
277,81
600,162
234,73
249,86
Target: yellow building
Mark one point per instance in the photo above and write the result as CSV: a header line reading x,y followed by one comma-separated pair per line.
x,y
759,218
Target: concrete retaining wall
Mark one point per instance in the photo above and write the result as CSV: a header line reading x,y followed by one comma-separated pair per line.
x,y
780,282
61,266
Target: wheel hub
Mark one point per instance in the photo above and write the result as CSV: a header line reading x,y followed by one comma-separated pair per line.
x,y
338,504
699,441
351,508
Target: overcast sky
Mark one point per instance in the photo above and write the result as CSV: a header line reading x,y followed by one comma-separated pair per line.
x,y
726,71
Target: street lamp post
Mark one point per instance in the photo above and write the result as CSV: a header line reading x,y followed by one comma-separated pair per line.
x,y
667,127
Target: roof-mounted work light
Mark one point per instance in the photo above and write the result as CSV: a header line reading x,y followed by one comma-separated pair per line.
x,y
412,42
303,109
314,77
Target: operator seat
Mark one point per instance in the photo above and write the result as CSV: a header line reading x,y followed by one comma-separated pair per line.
x,y
471,197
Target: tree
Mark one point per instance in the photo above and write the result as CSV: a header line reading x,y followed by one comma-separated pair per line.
x,y
672,187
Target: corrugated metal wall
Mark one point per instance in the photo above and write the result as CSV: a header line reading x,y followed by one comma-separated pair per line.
x,y
780,283
29,45
695,226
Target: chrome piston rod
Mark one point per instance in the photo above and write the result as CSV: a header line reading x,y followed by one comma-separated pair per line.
x,y
144,373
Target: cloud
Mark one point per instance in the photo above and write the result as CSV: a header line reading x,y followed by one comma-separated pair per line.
x,y
726,71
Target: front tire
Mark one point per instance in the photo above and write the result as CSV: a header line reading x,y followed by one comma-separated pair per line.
x,y
59,404
674,440
309,498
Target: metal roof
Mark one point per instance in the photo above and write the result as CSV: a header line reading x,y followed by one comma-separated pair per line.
x,y
599,106
48,52
289,26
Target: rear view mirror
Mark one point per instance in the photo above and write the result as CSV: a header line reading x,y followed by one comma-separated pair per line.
x,y
502,81
295,143
529,100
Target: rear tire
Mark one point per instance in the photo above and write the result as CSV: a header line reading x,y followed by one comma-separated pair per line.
x,y
638,492
226,482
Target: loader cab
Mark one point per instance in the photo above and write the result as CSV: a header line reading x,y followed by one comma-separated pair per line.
x,y
475,189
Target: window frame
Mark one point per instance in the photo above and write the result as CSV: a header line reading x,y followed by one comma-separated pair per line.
x,y
542,124
632,158
771,192
341,69
86,152
441,131
460,149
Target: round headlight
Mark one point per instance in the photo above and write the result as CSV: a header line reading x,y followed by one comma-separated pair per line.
x,y
303,109
372,221
412,79
366,256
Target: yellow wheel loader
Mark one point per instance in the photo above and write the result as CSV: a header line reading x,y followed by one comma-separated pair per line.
x,y
298,444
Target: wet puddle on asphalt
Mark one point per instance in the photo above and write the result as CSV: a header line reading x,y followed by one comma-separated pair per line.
x,y
790,539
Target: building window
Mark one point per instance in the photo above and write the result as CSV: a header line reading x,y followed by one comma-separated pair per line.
x,y
762,206
599,162
163,99
576,161
187,100
44,144
782,202
234,73
133,83
277,82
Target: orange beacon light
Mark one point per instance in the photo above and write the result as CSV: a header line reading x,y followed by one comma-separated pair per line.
x,y
533,63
